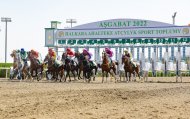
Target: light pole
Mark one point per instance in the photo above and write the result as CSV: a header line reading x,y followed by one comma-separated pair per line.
x,y
5,19
173,16
71,21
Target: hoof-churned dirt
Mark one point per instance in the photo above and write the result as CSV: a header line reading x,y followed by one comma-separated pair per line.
x,y
80,100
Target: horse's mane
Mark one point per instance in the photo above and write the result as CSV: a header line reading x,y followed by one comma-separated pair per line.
x,y
14,52
105,57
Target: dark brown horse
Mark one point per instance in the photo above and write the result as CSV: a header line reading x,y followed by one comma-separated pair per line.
x,y
36,67
84,65
80,64
107,68
69,66
129,68
57,72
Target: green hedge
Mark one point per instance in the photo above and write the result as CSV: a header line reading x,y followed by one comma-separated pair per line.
x,y
3,72
6,64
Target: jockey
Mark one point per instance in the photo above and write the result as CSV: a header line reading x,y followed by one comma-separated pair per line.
x,y
129,55
23,55
69,53
35,54
87,55
52,54
109,54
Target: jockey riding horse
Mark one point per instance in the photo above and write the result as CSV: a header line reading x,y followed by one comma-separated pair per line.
x,y
107,67
129,65
88,67
35,64
18,66
69,64
55,67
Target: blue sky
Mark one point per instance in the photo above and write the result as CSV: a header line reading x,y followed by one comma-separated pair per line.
x,y
30,17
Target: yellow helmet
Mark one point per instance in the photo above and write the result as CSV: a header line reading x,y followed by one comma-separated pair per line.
x,y
126,51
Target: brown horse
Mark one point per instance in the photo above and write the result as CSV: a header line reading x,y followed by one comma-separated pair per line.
x,y
128,67
106,68
56,71
35,66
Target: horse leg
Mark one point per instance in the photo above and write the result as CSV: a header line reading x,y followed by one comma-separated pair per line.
x,y
96,68
129,76
66,75
41,73
94,73
102,76
126,76
31,72
69,76
61,74
47,74
139,75
73,72
79,77
106,76
85,73
56,75
23,74
37,74
120,74
114,75
89,74
77,71
79,74
27,73
82,73
134,76
114,70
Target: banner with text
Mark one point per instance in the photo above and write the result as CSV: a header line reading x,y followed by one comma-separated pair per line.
x,y
156,32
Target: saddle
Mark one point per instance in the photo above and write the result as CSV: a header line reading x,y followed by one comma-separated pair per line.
x,y
58,63
134,65
91,63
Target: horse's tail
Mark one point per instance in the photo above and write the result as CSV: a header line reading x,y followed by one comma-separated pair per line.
x,y
138,70
96,68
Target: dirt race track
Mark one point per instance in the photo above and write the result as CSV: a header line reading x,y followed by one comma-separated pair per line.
x,y
159,99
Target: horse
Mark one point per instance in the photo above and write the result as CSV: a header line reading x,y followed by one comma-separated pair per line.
x,y
35,66
128,67
70,66
84,66
19,67
106,68
57,72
